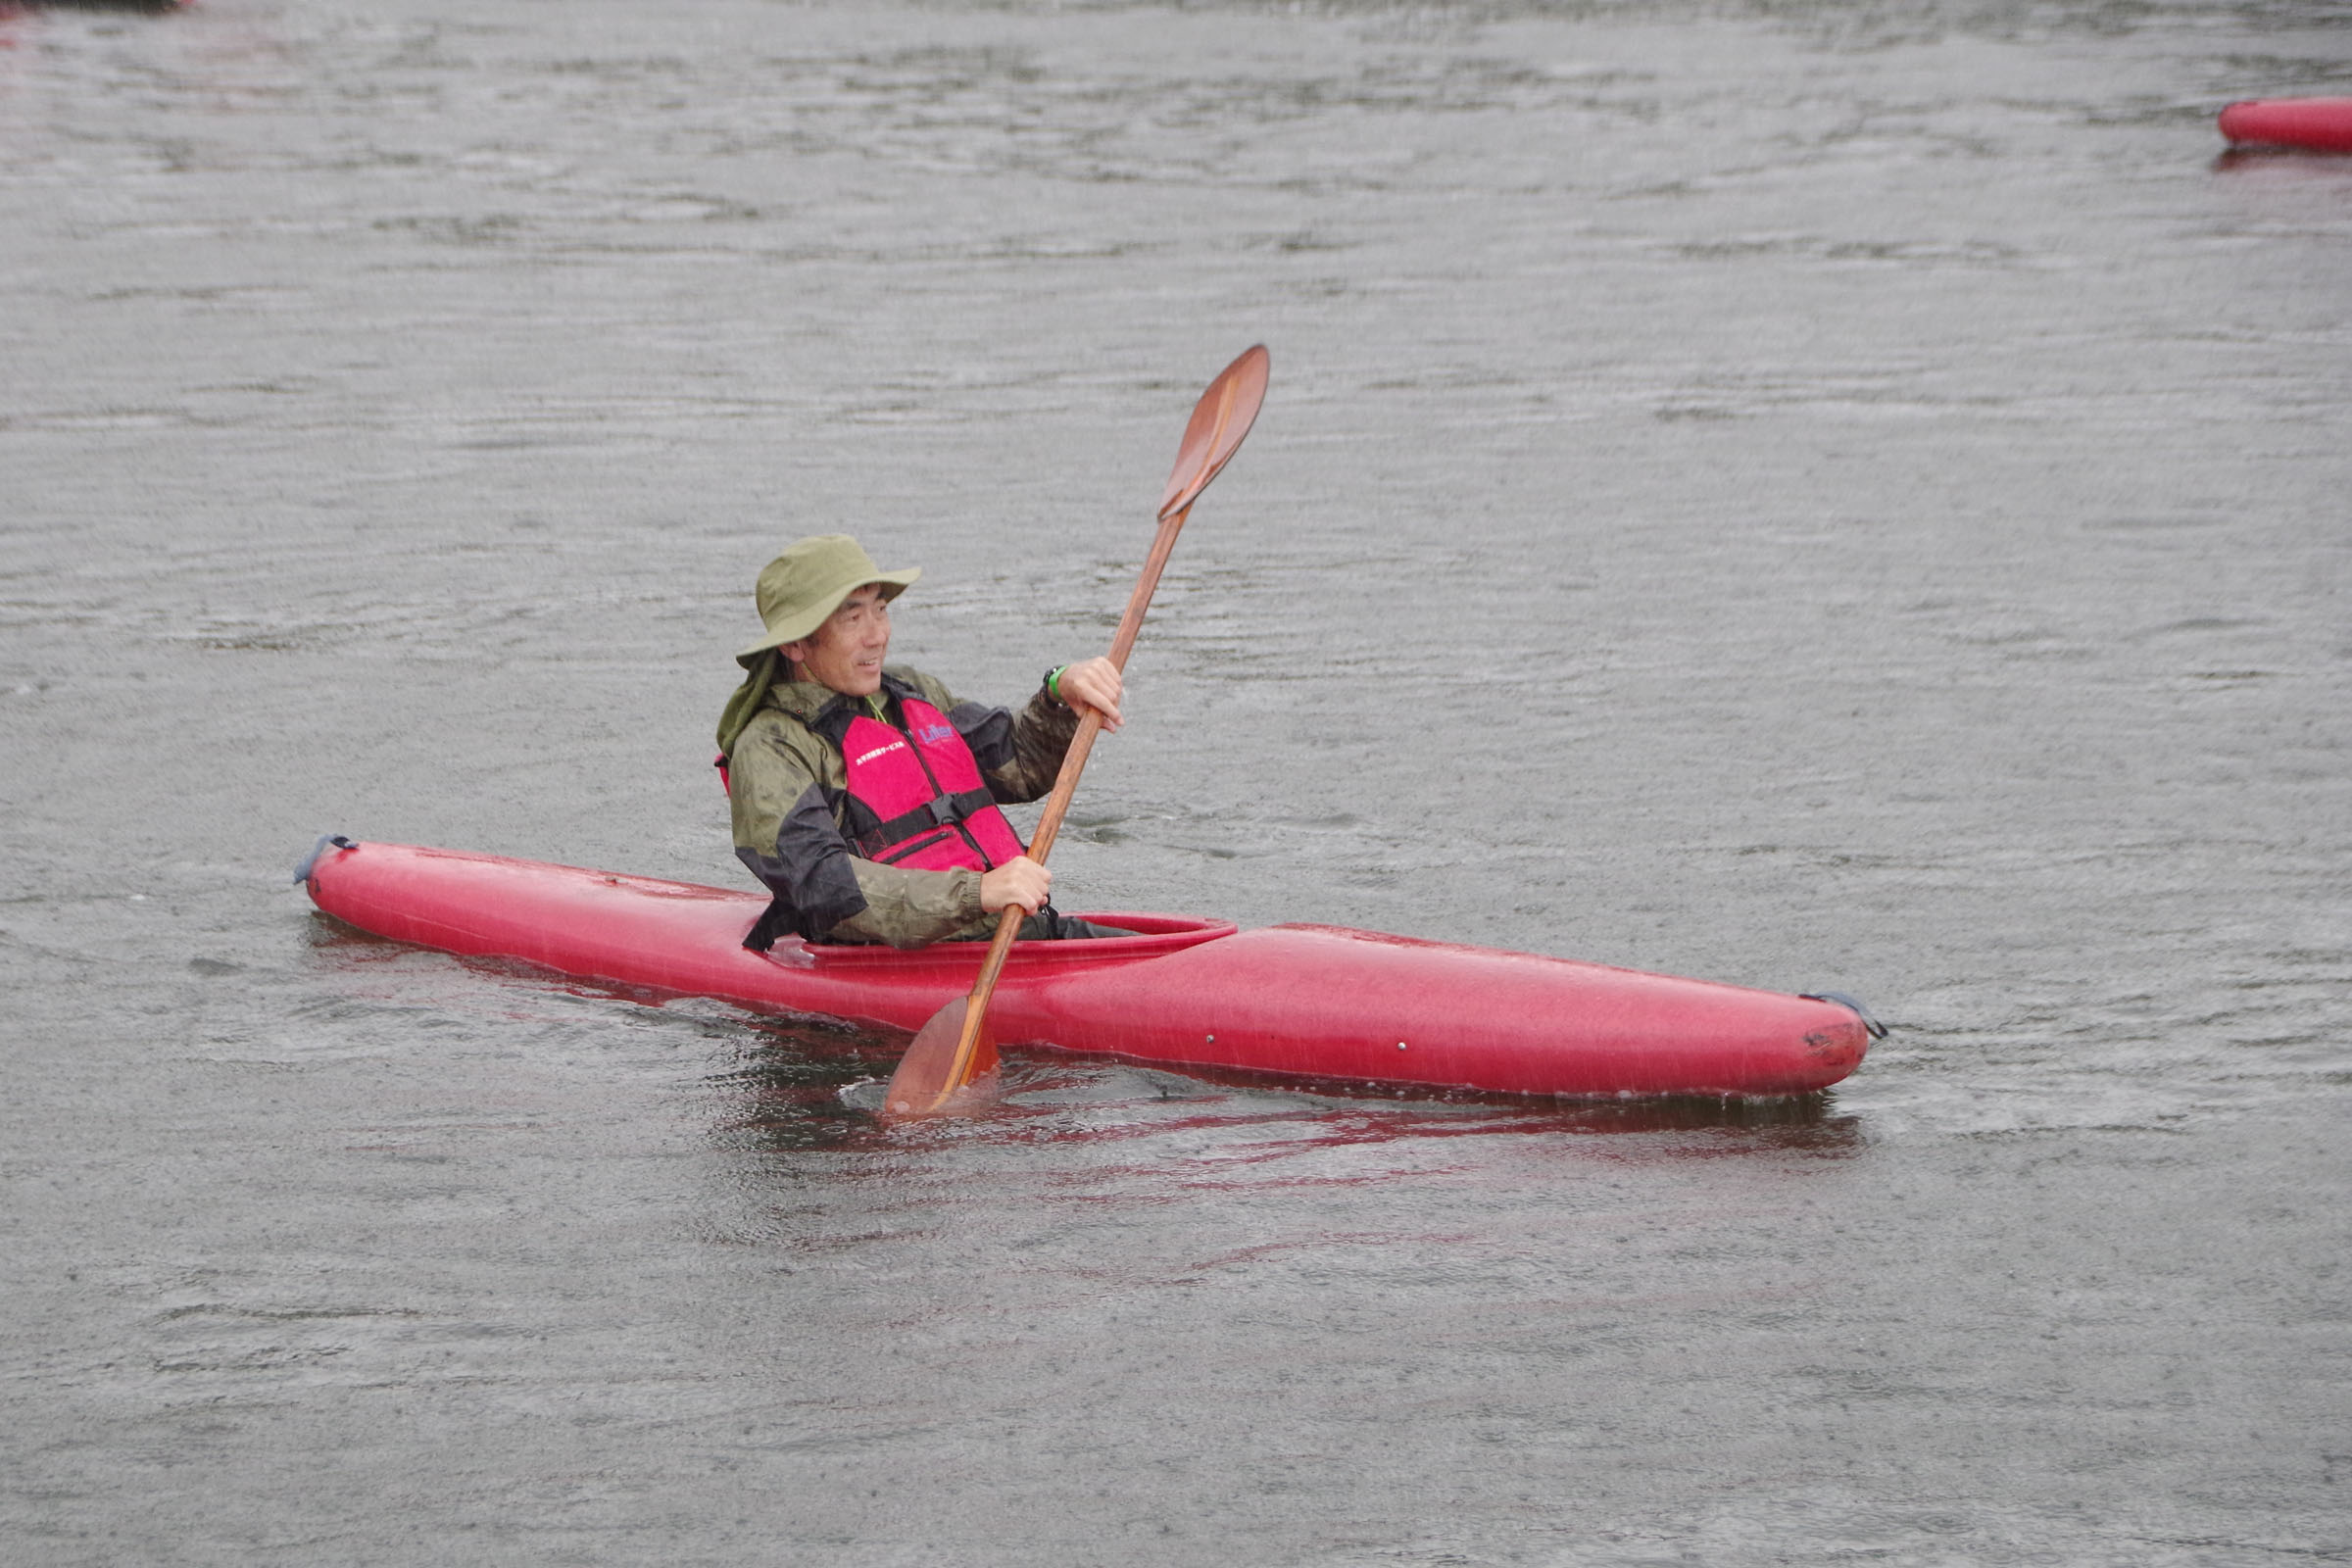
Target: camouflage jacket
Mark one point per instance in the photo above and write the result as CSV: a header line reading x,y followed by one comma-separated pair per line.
x,y
787,784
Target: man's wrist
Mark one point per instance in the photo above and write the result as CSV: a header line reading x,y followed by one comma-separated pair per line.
x,y
1053,684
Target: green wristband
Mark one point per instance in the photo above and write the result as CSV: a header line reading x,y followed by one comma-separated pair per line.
x,y
1054,681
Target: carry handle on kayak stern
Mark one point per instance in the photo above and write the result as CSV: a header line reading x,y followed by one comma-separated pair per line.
x,y
1878,1029
309,862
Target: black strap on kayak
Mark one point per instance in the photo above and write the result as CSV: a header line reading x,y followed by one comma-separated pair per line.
x,y
310,862
1878,1029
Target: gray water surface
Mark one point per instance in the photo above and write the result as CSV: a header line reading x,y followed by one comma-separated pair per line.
x,y
1815,496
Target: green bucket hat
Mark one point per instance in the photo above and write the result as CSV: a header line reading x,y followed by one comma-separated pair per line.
x,y
808,581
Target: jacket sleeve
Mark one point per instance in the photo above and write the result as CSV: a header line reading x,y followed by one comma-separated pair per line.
x,y
911,908
786,834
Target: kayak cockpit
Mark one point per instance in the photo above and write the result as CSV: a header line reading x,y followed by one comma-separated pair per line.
x,y
1155,935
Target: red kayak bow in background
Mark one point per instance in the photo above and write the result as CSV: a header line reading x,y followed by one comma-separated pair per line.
x,y
2314,124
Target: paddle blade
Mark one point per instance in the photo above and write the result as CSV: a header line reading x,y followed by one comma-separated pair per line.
x,y
1219,421
927,1083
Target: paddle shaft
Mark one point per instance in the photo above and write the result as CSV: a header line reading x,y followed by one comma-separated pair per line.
x,y
1058,803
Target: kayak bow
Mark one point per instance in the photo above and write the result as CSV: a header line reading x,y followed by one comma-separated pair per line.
x,y
2314,124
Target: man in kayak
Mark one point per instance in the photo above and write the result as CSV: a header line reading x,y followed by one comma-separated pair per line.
x,y
866,798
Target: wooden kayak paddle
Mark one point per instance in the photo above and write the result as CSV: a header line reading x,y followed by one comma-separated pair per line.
x,y
954,1048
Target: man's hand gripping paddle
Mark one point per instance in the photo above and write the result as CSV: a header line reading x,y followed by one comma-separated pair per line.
x,y
954,1049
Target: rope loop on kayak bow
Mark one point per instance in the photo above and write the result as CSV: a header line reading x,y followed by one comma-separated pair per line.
x,y
1878,1029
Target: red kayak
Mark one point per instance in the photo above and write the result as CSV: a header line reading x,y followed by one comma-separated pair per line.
x,y
1302,1000
2316,125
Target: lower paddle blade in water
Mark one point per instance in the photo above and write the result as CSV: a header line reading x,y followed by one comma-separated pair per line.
x,y
925,1084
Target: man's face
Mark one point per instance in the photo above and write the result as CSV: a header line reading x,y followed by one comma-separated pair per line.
x,y
846,652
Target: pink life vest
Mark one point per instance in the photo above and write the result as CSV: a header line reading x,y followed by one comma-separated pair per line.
x,y
916,797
